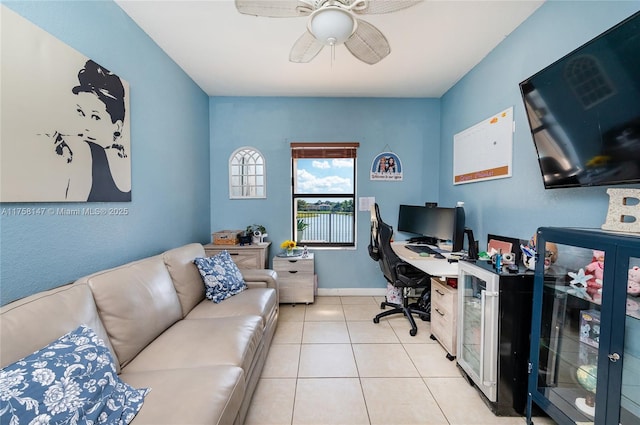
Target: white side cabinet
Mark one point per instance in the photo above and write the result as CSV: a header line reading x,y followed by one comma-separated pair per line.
x,y
296,279
444,312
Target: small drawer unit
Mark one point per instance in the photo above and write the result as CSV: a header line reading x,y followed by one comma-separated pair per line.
x,y
296,279
245,256
444,312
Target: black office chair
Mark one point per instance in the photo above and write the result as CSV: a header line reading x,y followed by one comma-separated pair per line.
x,y
398,273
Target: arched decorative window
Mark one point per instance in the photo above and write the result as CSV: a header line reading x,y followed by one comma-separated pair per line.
x,y
247,174
588,80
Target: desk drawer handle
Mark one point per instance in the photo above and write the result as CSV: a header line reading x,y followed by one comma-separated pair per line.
x,y
293,261
441,293
439,312
293,271
233,253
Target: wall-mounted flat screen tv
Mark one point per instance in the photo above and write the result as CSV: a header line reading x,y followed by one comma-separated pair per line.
x,y
584,111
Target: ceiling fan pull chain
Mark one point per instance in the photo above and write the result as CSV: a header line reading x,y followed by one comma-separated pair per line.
x,y
333,53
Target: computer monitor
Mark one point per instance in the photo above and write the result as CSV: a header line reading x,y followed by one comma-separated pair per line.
x,y
434,224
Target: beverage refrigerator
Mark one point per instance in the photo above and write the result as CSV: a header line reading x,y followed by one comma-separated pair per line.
x,y
494,325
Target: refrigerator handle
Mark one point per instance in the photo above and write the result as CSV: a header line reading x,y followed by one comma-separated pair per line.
x,y
483,301
491,343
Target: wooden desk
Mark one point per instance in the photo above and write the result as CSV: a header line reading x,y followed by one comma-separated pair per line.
x,y
444,299
433,266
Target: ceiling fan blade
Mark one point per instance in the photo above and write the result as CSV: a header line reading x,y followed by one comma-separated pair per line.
x,y
368,44
305,48
371,7
274,8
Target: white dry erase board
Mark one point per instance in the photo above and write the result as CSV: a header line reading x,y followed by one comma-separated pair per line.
x,y
485,150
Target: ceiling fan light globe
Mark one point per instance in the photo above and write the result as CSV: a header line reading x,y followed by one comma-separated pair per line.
x,y
331,25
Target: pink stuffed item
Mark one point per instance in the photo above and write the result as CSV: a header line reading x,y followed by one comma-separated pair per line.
x,y
393,294
595,269
633,284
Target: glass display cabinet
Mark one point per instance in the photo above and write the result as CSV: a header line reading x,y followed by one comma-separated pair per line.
x,y
585,332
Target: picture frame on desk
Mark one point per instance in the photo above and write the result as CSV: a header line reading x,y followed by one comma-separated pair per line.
x,y
515,244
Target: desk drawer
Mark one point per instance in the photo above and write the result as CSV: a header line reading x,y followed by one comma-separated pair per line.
x,y
245,257
442,299
444,309
443,321
246,260
286,266
296,288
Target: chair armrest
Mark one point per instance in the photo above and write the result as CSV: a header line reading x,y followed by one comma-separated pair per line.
x,y
262,277
411,276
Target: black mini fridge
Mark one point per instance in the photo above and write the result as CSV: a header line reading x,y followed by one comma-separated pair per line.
x,y
494,326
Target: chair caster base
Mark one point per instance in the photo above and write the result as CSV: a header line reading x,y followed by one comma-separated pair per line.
x,y
376,320
450,357
413,332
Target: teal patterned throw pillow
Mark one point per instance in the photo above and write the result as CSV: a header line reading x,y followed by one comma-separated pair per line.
x,y
73,380
221,276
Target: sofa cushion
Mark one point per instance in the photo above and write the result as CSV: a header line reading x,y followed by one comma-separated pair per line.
x,y
63,309
185,275
221,276
204,342
257,302
71,380
136,302
204,395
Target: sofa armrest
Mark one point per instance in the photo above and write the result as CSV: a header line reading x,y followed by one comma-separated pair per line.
x,y
260,278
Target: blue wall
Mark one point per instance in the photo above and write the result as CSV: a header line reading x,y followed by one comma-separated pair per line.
x,y
182,141
514,206
410,128
170,167
517,206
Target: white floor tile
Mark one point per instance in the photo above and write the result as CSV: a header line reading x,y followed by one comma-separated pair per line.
x,y
329,364
324,313
272,402
327,361
365,312
431,360
288,333
383,360
291,313
401,401
371,333
401,326
325,333
462,404
282,361
359,301
335,401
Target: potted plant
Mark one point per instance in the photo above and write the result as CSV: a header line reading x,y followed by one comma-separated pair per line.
x,y
301,225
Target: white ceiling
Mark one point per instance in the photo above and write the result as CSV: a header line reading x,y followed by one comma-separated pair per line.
x,y
433,44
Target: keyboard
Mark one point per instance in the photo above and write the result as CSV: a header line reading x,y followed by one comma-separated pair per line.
x,y
423,248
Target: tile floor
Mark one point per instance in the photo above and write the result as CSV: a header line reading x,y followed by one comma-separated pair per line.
x,y
330,364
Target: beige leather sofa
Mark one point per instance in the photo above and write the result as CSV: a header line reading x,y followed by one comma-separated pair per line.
x,y
201,360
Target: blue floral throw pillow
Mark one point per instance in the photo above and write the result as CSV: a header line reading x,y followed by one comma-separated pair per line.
x,y
221,276
71,381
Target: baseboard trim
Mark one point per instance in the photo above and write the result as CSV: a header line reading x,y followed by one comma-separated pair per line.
x,y
352,292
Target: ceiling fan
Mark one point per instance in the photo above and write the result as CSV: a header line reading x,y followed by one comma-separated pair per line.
x,y
331,22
